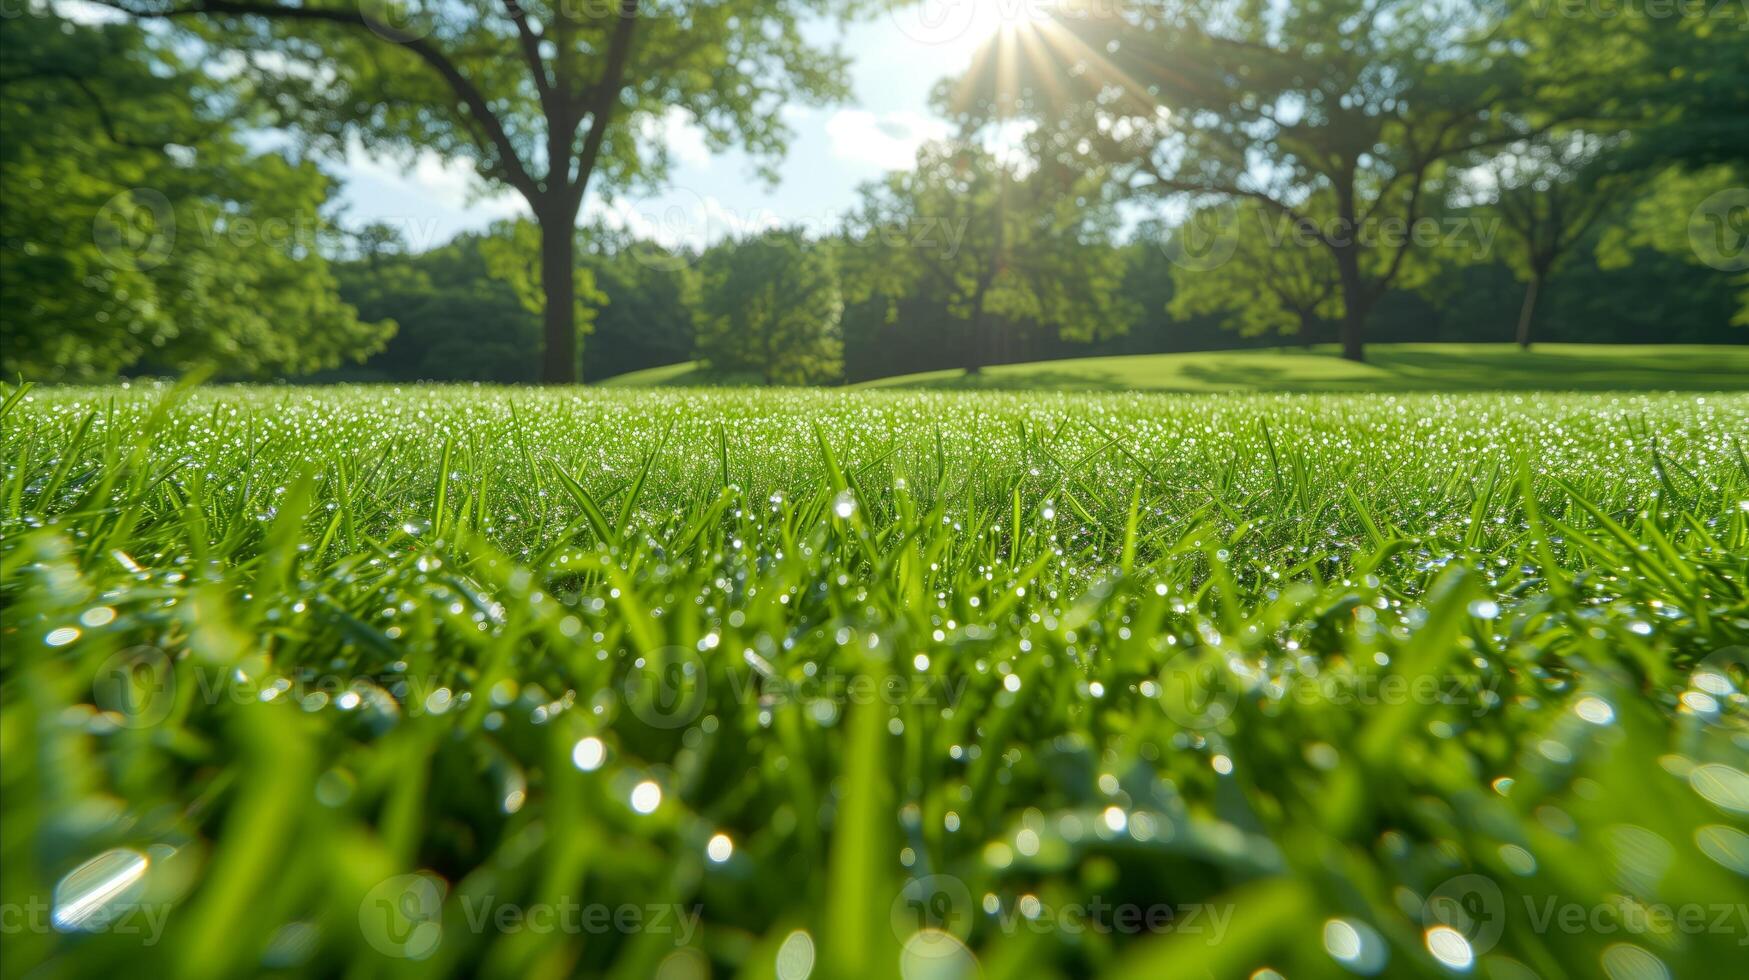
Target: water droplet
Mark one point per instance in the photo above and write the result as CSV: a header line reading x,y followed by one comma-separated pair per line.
x,y
1623,961
795,958
1450,948
588,754
95,893
1594,710
646,797
1355,945
719,848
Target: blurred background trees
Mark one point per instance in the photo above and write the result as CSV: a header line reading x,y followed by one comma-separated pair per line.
x,y
133,219
768,310
1131,178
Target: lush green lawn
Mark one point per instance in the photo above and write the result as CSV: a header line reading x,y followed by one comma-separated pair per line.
x,y
1389,367
669,375
464,681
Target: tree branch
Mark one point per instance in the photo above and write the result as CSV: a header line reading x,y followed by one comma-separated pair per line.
x,y
497,139
530,50
605,94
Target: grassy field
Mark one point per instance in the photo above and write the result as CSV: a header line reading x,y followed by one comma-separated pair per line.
x,y
667,376
1389,368
475,681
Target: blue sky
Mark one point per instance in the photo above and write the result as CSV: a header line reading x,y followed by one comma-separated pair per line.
x,y
897,58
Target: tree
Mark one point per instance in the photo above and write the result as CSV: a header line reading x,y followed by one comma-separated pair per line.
x,y
440,298
1550,194
1701,216
988,240
770,307
515,253
1361,102
139,231
539,95
646,317
1681,80
1269,284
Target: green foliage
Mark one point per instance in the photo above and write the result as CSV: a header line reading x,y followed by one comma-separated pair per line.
x,y
538,96
1341,116
141,234
1382,678
649,304
1271,284
512,250
1670,216
456,321
983,241
769,307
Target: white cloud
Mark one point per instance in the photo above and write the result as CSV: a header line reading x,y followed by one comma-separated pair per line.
x,y
675,130
677,218
449,184
888,141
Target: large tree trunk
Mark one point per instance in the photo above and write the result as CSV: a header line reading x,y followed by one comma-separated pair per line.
x,y
1354,303
1528,310
975,333
558,281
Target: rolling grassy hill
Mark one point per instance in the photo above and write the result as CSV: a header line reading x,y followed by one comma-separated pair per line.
x,y
1390,367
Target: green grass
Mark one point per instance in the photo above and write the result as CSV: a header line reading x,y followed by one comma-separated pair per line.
x,y
684,373
338,681
1389,367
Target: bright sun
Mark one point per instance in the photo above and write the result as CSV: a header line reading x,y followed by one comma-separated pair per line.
x,y
963,26
999,16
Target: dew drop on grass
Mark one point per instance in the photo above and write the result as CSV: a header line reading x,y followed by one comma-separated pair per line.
x,y
1355,945
844,505
719,848
1624,961
92,896
1594,710
795,958
1484,609
588,754
1450,948
646,797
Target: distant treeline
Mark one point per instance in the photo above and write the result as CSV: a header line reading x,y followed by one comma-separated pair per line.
x,y
1222,174
457,322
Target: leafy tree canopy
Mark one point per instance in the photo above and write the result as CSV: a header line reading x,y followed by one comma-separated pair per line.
x,y
140,233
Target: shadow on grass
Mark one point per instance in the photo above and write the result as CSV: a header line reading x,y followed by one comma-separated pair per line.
x,y
1388,368
1646,368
